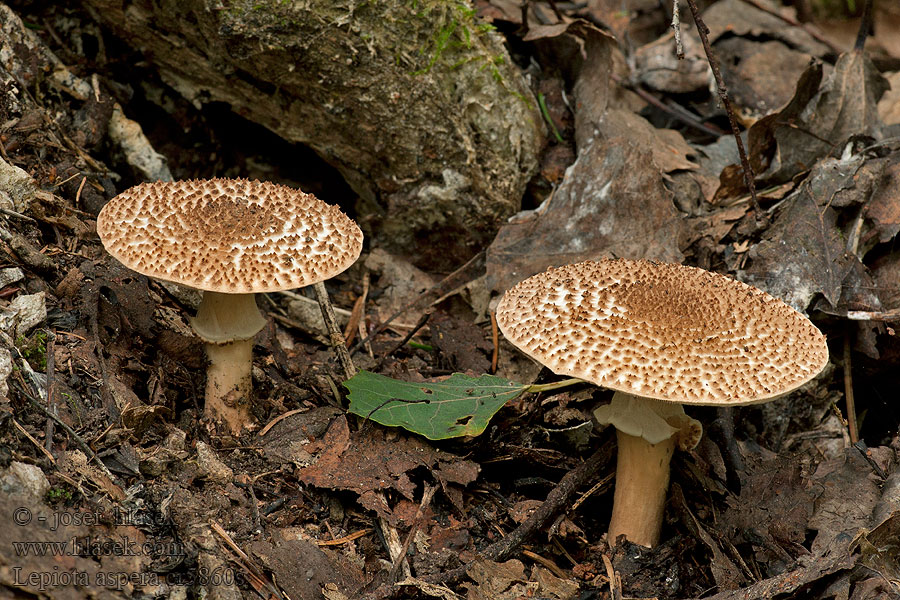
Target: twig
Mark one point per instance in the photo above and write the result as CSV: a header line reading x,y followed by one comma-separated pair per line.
x,y
546,562
11,213
409,335
495,340
556,500
848,390
391,538
703,31
50,428
600,484
355,322
864,25
92,456
437,292
247,563
502,549
78,193
334,332
346,539
676,27
555,10
36,443
868,315
546,387
112,410
615,581
427,494
278,419
363,318
676,112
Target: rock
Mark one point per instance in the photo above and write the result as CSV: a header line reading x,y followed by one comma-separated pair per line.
x,y
210,466
426,116
24,479
17,188
23,313
10,275
6,369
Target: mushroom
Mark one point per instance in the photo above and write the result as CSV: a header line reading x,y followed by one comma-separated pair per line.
x,y
232,239
660,335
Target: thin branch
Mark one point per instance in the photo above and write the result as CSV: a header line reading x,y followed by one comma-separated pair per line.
x,y
676,27
441,290
852,426
703,31
92,456
422,321
677,112
427,494
868,315
334,332
558,498
49,428
865,24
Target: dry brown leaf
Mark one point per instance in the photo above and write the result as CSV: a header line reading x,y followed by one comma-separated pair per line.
x,y
819,119
612,202
373,459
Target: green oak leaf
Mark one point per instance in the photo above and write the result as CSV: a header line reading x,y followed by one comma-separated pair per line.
x,y
460,405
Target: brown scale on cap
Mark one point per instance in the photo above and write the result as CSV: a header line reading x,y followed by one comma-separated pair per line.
x,y
662,331
228,235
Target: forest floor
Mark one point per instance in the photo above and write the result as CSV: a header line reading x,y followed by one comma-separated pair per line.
x,y
118,488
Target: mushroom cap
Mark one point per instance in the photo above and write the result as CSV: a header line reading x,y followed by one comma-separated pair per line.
x,y
663,331
233,236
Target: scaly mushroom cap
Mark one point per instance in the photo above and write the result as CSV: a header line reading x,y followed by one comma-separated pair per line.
x,y
663,331
233,236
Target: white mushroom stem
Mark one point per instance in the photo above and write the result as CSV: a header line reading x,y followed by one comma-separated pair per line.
x,y
642,480
647,431
229,384
227,324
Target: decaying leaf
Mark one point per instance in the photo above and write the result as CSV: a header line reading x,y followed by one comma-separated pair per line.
x,y
761,76
770,515
889,105
305,569
735,17
805,250
660,69
819,119
883,209
848,490
371,459
886,276
612,202
506,580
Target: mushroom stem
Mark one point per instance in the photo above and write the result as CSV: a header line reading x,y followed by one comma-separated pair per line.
x,y
642,478
223,318
229,384
227,324
648,431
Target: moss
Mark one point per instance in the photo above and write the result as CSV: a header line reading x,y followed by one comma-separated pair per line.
x,y
457,30
58,495
34,349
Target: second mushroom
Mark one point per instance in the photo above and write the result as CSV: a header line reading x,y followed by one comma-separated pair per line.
x,y
232,239
660,335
